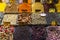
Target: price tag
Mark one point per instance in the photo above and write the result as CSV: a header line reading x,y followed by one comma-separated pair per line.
x,y
42,14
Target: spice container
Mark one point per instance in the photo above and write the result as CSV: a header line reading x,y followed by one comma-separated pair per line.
x,y
39,8
53,33
24,18
51,17
38,18
12,8
58,6
22,33
6,32
38,32
2,6
12,18
58,18
24,7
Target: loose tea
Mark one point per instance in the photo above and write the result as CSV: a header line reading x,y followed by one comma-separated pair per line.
x,y
38,32
12,8
12,18
53,33
24,18
38,19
